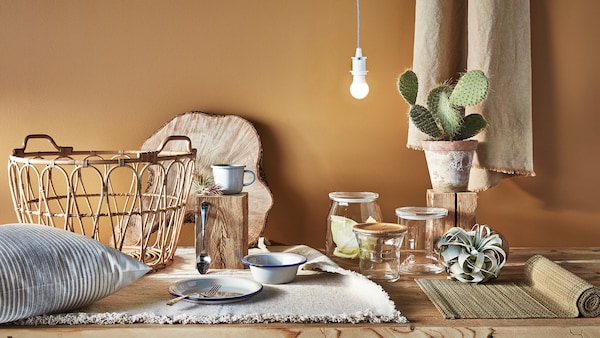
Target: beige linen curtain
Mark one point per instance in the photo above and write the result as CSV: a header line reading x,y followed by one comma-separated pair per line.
x,y
452,36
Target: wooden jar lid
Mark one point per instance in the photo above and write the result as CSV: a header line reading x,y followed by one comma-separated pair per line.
x,y
380,229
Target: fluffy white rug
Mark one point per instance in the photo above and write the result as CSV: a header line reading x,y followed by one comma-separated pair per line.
x,y
322,292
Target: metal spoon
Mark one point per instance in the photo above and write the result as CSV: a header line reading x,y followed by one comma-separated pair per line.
x,y
203,259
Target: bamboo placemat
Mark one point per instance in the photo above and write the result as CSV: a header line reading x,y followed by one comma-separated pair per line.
x,y
549,291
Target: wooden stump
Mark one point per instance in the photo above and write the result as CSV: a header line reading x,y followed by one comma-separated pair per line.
x,y
226,237
461,208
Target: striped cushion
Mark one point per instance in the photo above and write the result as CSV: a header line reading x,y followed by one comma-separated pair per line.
x,y
49,270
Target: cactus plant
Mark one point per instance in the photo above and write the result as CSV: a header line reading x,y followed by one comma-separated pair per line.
x,y
444,118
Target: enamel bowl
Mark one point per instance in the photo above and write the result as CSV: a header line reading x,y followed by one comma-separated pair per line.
x,y
274,267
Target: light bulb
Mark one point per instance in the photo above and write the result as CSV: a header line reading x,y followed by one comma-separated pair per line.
x,y
359,87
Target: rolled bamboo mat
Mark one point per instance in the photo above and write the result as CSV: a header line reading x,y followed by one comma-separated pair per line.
x,y
548,291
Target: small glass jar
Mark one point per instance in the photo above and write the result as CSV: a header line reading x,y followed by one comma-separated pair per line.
x,y
347,209
422,232
379,250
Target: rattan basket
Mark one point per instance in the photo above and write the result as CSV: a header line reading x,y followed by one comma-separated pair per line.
x,y
134,201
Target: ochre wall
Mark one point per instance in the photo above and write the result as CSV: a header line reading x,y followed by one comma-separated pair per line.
x,y
107,74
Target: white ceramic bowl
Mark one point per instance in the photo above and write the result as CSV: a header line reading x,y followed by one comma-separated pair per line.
x,y
274,267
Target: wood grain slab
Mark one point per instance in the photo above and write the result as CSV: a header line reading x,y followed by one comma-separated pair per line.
x,y
226,232
222,139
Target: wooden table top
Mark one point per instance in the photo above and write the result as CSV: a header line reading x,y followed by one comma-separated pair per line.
x,y
425,319
584,262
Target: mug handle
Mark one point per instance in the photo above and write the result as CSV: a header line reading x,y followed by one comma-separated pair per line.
x,y
253,177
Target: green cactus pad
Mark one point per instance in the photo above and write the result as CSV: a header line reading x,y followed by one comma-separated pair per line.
x,y
472,125
424,121
408,86
447,115
470,90
443,117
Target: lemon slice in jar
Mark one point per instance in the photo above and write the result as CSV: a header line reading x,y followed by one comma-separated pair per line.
x,y
343,254
343,236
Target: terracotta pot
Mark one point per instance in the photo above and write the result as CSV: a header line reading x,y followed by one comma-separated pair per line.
x,y
449,164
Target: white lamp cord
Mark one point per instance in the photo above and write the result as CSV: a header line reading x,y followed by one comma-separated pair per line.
x,y
357,23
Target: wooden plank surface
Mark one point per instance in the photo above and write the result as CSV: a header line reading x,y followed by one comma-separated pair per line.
x,y
415,305
425,320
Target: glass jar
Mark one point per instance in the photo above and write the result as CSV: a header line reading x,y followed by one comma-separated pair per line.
x,y
379,250
347,209
422,232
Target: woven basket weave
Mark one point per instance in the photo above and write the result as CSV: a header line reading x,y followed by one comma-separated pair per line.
x,y
134,201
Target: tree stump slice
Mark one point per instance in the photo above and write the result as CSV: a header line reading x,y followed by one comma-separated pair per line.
x,y
221,139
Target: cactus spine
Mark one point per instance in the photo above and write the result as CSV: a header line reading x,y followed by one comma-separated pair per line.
x,y
443,118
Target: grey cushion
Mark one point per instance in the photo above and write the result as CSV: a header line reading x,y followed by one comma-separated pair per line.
x,y
48,270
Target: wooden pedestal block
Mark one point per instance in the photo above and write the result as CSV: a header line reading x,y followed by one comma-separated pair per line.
x,y
226,238
461,207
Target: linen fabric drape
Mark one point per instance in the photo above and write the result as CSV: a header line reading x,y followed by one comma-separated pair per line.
x,y
493,36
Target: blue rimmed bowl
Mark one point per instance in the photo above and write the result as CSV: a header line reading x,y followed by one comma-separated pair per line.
x,y
274,267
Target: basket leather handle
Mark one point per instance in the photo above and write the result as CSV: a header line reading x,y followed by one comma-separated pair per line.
x,y
64,151
176,138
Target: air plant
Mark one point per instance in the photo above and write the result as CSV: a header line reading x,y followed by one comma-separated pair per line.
x,y
205,186
474,256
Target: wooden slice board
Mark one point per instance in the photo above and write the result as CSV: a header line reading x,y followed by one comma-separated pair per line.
x,y
222,139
